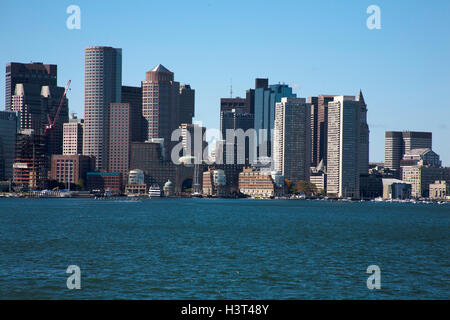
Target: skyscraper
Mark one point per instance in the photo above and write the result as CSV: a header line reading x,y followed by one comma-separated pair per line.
x,y
265,99
397,143
133,96
28,73
73,136
160,105
343,147
35,103
363,158
292,139
237,119
187,104
119,136
103,84
8,131
319,130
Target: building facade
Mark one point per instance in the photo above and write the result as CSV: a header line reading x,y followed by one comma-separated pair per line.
x,y
28,73
71,168
8,131
187,103
103,85
421,176
119,137
258,184
343,148
292,139
264,110
160,103
73,136
397,143
133,96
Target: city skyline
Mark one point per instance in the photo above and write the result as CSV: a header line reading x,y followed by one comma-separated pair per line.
x,y
400,77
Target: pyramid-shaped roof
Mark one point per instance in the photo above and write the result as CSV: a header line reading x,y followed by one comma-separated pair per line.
x,y
361,97
160,68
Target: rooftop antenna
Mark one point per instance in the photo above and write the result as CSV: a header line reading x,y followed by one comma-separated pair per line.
x,y
231,88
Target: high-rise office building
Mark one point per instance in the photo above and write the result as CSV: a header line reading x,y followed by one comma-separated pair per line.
x,y
28,73
265,99
133,96
35,104
8,131
292,139
319,130
103,84
343,175
236,120
187,104
230,104
160,105
73,136
397,143
119,138
363,147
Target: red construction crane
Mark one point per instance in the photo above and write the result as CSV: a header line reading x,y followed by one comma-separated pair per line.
x,y
51,124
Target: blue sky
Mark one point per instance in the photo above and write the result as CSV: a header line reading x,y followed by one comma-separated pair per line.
x,y
318,47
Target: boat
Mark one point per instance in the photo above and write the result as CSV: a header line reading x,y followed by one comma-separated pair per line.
x,y
154,191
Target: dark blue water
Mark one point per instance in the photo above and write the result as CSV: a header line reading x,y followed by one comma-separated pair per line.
x,y
222,249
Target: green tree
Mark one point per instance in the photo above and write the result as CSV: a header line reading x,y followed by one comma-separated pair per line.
x,y
306,187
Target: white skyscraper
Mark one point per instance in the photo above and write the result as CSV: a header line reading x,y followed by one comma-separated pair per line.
x,y
292,139
344,128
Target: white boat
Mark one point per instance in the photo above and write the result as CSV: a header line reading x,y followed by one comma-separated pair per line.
x,y
154,191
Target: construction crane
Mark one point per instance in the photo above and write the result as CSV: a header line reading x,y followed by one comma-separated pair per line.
x,y
51,124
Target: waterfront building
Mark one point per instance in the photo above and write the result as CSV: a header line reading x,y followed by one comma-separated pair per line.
x,y
8,131
136,183
187,104
319,179
103,85
160,105
292,139
421,176
215,183
28,73
133,96
396,189
136,176
343,169
440,190
119,137
258,184
397,143
71,168
104,181
73,136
